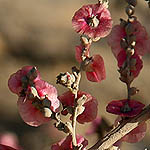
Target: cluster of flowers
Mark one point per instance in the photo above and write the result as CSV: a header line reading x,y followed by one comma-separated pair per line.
x,y
92,22
38,101
129,41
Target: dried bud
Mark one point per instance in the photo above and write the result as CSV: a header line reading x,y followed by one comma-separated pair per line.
x,y
132,2
47,112
127,80
32,74
123,23
65,79
46,103
62,127
96,39
130,51
85,40
130,10
70,109
133,91
123,43
93,22
33,93
132,19
84,64
133,43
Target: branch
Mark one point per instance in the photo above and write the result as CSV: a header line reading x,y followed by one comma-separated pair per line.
x,y
121,130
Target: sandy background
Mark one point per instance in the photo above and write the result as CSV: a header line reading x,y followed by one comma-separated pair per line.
x,y
39,32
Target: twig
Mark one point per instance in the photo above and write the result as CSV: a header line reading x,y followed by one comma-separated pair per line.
x,y
121,130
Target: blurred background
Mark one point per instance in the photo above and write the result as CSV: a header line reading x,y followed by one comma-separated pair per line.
x,y
39,32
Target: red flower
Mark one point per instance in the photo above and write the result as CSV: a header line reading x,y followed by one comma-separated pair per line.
x,y
95,70
136,135
134,68
125,108
20,80
141,39
90,112
66,144
93,20
32,110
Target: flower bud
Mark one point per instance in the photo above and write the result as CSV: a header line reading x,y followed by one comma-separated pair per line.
x,y
130,51
132,19
130,10
123,43
132,2
46,103
32,74
123,23
47,112
133,91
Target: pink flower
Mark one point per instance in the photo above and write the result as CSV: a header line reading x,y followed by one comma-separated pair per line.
x,y
90,112
93,20
22,78
134,68
4,147
141,39
9,139
136,135
33,110
66,144
95,70
125,108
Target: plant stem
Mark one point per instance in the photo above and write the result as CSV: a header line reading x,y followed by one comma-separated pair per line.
x,y
74,121
121,130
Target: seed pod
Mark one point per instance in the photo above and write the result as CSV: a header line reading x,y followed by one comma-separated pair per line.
x,y
130,51
133,91
47,112
130,10
132,2
132,19
85,40
123,23
46,103
123,43
32,74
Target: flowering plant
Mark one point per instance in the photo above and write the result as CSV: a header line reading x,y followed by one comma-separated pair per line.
x,y
39,103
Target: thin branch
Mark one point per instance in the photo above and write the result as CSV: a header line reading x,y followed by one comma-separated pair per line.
x,y
121,130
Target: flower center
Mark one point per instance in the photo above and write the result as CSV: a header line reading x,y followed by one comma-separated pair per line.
x,y
93,21
126,108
